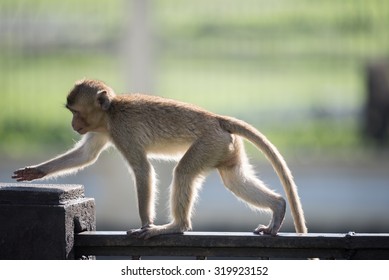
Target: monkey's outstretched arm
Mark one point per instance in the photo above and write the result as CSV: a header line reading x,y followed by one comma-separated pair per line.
x,y
84,153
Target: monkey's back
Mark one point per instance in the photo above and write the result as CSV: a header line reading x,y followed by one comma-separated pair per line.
x,y
159,121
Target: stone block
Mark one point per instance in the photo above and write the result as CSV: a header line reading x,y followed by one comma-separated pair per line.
x,y
38,221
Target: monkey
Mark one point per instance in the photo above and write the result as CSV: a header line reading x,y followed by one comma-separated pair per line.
x,y
143,127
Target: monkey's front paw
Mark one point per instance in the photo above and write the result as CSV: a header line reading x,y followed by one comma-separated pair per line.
x,y
28,174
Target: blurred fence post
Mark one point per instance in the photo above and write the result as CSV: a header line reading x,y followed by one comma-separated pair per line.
x,y
138,46
377,105
40,221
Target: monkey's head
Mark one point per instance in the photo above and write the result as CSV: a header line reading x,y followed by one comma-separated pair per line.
x,y
88,101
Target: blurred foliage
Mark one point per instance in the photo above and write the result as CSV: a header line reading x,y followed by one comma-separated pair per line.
x,y
295,68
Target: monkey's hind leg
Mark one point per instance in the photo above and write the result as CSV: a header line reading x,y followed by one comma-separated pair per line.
x,y
239,178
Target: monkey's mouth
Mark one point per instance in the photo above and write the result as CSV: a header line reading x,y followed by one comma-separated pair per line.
x,y
80,131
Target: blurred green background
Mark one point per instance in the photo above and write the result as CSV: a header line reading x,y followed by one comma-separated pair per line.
x,y
295,69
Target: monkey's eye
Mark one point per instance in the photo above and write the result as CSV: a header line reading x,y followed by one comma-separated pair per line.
x,y
70,109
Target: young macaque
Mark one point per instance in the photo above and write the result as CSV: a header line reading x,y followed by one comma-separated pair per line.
x,y
142,126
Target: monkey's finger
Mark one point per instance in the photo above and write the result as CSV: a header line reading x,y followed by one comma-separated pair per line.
x,y
19,171
27,174
18,174
21,177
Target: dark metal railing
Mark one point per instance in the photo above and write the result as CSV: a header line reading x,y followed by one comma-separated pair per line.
x,y
235,244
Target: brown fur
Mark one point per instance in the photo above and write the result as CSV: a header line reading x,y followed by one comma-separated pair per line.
x,y
141,126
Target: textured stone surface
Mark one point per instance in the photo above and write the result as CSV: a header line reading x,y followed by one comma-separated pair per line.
x,y
38,221
39,194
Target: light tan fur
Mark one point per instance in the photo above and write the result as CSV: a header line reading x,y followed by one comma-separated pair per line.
x,y
141,126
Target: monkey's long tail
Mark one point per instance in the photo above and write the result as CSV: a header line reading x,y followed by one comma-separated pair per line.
x,y
242,128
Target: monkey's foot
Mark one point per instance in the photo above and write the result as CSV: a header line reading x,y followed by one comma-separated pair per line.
x,y
276,221
138,230
261,229
152,230
272,228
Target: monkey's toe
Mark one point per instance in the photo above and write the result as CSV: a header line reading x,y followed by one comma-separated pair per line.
x,y
267,230
145,232
151,231
132,231
137,232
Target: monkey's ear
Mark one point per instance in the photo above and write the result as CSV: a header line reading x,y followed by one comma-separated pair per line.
x,y
103,99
